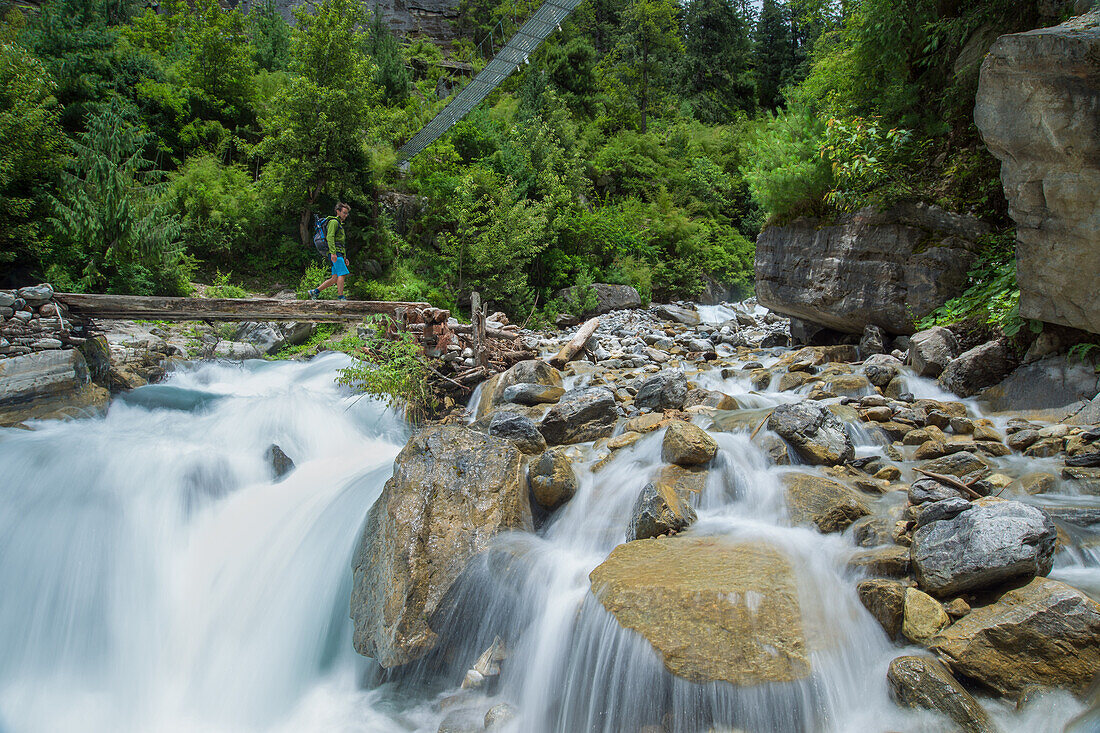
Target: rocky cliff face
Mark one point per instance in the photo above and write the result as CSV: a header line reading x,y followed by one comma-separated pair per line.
x,y
883,268
431,18
1038,109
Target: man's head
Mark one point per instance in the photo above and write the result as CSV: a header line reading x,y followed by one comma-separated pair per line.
x,y
342,210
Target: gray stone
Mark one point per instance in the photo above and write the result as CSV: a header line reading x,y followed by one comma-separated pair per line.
x,y
1038,109
943,509
818,437
880,369
922,682
883,268
579,416
297,332
7,299
665,390
266,337
552,479
236,351
983,547
281,463
931,351
531,371
701,345
978,368
677,314
520,429
36,295
930,491
962,463
873,340
532,394
46,344
41,374
608,298
658,510
452,490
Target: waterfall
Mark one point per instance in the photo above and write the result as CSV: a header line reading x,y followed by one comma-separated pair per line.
x,y
157,577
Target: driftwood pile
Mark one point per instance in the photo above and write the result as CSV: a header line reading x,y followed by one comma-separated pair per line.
x,y
462,356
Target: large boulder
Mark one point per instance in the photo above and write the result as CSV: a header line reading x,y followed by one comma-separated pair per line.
x,y
520,429
579,416
1038,109
713,610
452,491
677,314
829,505
930,351
983,547
978,368
921,682
665,390
608,298
883,268
531,371
1047,384
1042,634
818,437
47,384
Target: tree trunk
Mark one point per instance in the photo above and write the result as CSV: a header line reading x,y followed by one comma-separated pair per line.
x,y
303,221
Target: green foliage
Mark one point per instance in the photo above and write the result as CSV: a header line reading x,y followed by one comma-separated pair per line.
x,y
115,233
992,294
219,205
644,56
391,74
787,173
868,161
393,369
223,288
32,147
582,299
716,66
270,36
322,332
1084,352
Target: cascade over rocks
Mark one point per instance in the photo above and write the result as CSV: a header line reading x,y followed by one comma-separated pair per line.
x,y
452,490
883,268
1043,634
713,610
1038,109
983,547
829,505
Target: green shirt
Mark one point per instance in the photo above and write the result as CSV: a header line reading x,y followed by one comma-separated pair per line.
x,y
334,236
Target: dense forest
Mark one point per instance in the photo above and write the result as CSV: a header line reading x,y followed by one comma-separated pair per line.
x,y
144,149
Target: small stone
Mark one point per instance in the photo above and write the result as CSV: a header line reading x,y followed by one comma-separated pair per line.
x,y
659,510
931,449
532,394
687,444
280,462
962,425
1044,448
885,599
983,432
957,608
888,473
552,479
890,561
923,616
520,429
878,414
624,440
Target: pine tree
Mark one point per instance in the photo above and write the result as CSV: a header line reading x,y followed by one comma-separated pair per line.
x,y
392,74
647,50
716,72
774,53
270,36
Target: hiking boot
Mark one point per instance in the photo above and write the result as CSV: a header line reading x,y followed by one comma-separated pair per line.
x,y
341,297
314,294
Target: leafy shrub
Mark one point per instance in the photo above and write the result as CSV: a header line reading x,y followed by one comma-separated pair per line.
x,y
582,299
868,161
222,288
393,369
785,170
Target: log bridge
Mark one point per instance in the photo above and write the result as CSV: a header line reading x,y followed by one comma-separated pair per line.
x,y
428,324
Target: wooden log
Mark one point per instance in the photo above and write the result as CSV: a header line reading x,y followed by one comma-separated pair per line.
x,y
140,307
467,329
576,343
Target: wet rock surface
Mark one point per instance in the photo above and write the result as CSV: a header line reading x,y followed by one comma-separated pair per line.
x,y
452,490
715,611
926,683
815,433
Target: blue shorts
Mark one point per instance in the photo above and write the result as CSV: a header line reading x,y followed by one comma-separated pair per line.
x,y
339,268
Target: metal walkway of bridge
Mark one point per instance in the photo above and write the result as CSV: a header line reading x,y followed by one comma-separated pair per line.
x,y
544,21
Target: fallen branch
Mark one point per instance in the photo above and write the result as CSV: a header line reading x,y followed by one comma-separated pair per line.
x,y
464,328
754,432
576,343
950,481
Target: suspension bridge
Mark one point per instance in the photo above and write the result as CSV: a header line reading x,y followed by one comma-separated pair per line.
x,y
545,20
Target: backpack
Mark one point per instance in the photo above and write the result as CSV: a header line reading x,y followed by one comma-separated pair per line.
x,y
320,243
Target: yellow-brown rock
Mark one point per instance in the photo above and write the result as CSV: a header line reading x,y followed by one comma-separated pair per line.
x,y
713,610
829,505
687,445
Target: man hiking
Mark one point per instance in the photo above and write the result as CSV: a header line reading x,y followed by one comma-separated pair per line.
x,y
334,237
